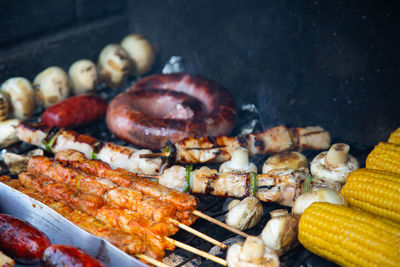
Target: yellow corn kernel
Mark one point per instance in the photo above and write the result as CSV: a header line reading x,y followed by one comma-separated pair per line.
x,y
395,137
349,237
384,156
375,191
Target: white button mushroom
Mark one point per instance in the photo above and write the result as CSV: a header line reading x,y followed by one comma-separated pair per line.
x,y
280,233
8,133
20,95
83,76
114,65
140,52
251,253
292,160
245,214
323,195
3,107
334,165
239,162
51,86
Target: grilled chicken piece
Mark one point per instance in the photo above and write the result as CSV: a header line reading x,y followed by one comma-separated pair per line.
x,y
126,220
54,140
102,188
219,149
121,177
129,243
282,186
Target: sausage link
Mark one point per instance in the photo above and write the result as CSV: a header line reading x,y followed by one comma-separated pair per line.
x,y
75,111
20,240
63,255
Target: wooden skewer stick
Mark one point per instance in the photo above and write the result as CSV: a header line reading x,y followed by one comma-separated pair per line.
x,y
151,260
148,176
199,234
154,155
223,225
197,251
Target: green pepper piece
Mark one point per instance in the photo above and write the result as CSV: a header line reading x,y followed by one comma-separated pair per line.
x,y
189,169
94,155
49,145
307,183
253,184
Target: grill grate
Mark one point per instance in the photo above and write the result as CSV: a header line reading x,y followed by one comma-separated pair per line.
x,y
212,206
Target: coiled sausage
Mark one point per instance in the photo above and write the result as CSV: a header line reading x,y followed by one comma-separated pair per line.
x,y
171,107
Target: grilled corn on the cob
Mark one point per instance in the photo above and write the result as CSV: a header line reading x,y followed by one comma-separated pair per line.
x,y
395,137
349,237
375,191
384,156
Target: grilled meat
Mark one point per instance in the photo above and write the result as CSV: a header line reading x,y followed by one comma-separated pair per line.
x,y
281,186
103,188
126,220
219,149
55,140
121,177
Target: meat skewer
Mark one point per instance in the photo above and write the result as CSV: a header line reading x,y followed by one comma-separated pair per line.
x,y
131,244
123,178
122,197
219,149
53,139
155,234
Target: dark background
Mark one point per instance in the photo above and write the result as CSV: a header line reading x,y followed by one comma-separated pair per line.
x,y
328,63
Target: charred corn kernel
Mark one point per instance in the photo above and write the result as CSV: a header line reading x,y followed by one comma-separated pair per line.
x,y
349,237
375,191
395,137
384,156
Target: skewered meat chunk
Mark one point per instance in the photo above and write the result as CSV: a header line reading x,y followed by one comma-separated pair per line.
x,y
55,140
129,243
127,197
126,220
282,186
183,202
273,140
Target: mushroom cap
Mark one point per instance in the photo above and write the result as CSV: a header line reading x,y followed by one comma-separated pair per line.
x,y
51,86
245,214
20,95
322,195
292,159
83,76
321,170
114,65
141,53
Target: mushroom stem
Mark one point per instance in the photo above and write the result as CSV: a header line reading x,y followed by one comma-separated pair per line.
x,y
240,157
338,154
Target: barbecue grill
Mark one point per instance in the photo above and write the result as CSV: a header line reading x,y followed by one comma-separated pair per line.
x,y
300,63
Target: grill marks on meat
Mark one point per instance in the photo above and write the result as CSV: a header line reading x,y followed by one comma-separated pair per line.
x,y
117,156
129,243
278,139
121,177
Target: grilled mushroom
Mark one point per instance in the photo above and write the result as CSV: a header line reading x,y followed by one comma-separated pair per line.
x,y
239,162
83,76
293,160
8,133
245,214
51,86
280,233
251,253
20,95
18,163
334,165
140,52
114,65
323,195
